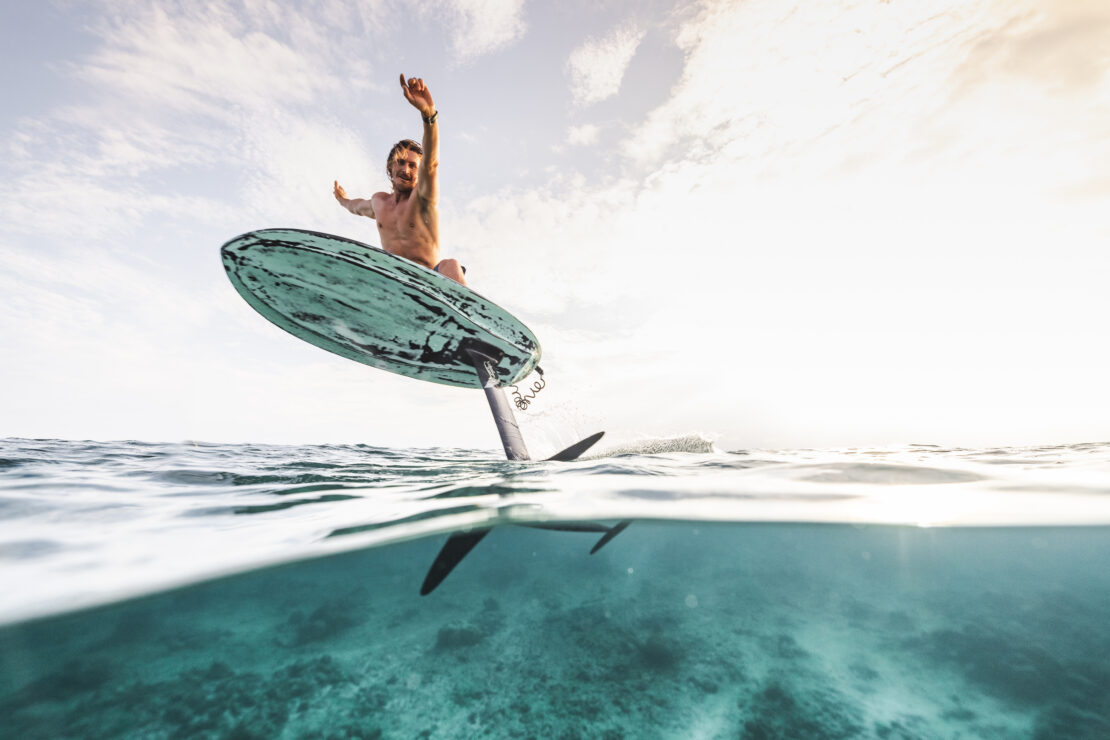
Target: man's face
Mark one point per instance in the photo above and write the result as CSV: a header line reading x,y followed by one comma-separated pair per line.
x,y
404,171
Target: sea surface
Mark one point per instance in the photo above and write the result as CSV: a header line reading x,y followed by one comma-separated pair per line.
x,y
253,591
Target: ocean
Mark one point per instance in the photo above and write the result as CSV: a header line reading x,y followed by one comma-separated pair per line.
x,y
258,591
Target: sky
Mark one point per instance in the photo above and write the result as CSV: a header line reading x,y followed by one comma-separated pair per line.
x,y
808,224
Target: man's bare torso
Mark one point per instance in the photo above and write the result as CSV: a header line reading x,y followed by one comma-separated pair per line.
x,y
408,227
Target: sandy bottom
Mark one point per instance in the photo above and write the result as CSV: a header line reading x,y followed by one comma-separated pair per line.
x,y
671,631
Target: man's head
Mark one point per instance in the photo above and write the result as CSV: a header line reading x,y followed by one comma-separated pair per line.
x,y
402,163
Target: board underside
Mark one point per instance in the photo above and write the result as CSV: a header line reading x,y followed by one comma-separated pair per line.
x,y
373,307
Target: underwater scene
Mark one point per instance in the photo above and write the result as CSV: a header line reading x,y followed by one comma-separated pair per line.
x,y
248,591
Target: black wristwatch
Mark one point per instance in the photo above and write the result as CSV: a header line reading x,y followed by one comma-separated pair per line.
x,y
432,118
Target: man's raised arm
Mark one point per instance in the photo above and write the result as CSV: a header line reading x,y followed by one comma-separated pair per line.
x,y
357,206
427,184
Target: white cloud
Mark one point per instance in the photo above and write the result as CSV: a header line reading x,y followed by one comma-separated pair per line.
x,y
291,163
177,94
484,26
597,67
204,61
886,85
832,241
582,135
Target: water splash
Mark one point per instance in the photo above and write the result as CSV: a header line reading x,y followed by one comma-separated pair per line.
x,y
687,443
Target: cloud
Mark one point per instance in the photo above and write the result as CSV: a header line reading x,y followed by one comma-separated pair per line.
x,y
484,26
582,135
79,173
291,163
175,94
826,242
597,67
204,61
916,107
1060,48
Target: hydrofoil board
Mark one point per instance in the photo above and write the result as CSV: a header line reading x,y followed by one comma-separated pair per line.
x,y
367,305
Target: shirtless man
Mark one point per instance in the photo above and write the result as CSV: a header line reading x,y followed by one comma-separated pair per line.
x,y
408,221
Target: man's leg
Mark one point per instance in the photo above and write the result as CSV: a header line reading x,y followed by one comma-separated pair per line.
x,y
451,269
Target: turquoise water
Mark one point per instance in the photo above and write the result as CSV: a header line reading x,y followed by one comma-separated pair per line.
x,y
248,591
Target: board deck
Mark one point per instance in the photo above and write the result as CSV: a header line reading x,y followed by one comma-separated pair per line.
x,y
373,307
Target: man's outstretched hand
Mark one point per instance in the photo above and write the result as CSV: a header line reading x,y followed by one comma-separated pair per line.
x,y
417,94
340,193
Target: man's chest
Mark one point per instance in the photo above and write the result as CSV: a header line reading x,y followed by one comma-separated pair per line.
x,y
395,216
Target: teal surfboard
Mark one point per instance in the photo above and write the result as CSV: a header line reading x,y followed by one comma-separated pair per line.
x,y
373,307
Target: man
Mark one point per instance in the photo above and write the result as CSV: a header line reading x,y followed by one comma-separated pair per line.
x,y
408,221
